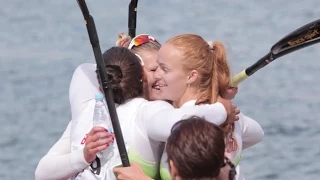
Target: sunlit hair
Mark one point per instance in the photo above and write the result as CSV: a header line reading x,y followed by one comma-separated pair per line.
x,y
211,63
142,42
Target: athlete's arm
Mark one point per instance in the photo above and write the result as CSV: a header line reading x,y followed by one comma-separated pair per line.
x,y
83,87
59,162
160,116
252,132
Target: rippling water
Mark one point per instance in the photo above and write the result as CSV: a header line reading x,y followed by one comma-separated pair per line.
x,y
42,42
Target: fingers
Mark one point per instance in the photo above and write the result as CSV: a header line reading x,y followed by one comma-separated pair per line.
x,y
230,93
98,132
120,171
132,172
95,149
235,88
117,170
98,139
237,111
232,113
234,106
102,142
120,176
96,129
92,148
99,135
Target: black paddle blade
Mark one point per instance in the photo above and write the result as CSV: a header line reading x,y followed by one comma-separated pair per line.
x,y
132,21
305,36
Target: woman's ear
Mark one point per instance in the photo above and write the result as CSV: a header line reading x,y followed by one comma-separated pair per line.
x,y
193,76
173,171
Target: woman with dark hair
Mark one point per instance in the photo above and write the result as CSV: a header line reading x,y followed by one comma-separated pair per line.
x,y
84,77
196,151
126,78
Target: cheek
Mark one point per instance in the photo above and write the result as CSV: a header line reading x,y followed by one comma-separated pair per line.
x,y
175,87
150,77
175,78
168,78
175,82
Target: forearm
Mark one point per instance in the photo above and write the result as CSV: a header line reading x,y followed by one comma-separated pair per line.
x,y
160,121
60,162
60,166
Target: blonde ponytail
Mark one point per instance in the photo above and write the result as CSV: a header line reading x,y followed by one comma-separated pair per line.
x,y
123,40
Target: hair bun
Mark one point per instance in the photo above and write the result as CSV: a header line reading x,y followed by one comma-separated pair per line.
x,y
123,40
115,75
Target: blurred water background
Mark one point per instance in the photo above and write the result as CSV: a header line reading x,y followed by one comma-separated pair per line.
x,y
42,42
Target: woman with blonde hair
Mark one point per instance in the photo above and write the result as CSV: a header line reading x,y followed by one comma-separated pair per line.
x,y
127,78
84,77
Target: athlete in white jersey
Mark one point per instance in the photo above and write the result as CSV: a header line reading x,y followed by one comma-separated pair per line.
x,y
189,64
135,116
196,150
85,78
247,133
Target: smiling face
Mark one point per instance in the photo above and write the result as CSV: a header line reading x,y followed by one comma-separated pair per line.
x,y
172,79
146,47
150,66
191,69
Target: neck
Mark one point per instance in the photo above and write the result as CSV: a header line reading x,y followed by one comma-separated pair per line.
x,y
189,95
145,94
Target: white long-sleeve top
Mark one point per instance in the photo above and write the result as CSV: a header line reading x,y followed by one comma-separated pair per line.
x,y
151,123
247,132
